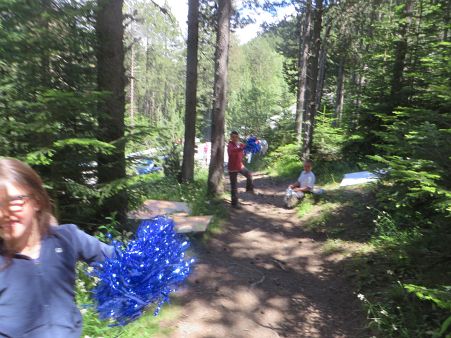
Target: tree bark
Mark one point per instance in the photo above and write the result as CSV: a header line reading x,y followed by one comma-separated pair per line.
x,y
132,67
401,48
191,91
339,95
322,66
447,10
111,80
132,86
303,59
45,56
312,80
147,94
357,80
216,168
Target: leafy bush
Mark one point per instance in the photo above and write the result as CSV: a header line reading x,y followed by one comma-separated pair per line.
x,y
328,139
285,161
410,255
280,131
172,165
389,234
441,297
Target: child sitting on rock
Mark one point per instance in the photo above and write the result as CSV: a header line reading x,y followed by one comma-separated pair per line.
x,y
304,184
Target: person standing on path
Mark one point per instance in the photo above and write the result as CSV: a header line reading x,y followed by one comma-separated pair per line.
x,y
235,150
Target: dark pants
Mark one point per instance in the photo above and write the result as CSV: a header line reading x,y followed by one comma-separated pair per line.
x,y
234,183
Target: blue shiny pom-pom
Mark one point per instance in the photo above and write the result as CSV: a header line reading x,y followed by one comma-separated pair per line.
x,y
252,146
142,273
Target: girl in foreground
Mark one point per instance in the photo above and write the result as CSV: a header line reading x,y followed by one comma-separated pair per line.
x,y
37,261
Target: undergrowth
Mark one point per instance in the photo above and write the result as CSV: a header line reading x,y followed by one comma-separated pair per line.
x,y
146,326
285,163
195,194
152,186
399,272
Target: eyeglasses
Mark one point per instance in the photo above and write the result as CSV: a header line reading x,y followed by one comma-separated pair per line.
x,y
16,203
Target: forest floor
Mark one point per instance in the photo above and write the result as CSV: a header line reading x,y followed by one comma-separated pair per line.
x,y
272,273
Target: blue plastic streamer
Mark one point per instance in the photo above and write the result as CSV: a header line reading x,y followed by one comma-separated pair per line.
x,y
142,273
252,146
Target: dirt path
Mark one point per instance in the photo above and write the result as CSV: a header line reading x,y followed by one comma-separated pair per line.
x,y
265,276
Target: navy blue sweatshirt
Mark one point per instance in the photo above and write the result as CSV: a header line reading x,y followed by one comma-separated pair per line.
x,y
37,297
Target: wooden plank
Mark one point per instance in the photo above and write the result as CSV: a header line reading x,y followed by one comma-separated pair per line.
x,y
152,208
185,224
178,211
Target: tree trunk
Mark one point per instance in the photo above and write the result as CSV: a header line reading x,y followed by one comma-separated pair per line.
x,y
216,168
147,94
339,96
312,80
191,91
357,80
132,67
45,56
401,48
322,66
447,10
111,80
303,57
132,86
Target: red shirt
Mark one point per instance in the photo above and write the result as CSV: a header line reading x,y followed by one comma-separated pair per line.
x,y
236,155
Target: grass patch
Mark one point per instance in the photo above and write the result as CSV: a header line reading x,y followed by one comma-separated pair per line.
x,y
319,219
383,259
347,248
399,265
332,172
285,163
160,187
305,206
333,246
147,325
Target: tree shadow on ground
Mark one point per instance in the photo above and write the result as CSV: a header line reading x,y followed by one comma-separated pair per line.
x,y
346,209
264,276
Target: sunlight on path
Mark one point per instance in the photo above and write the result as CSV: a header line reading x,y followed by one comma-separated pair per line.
x,y
265,276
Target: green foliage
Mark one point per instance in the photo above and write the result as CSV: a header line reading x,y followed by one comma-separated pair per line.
x,y
403,125
280,131
389,234
147,325
173,163
285,161
441,297
329,139
305,206
257,90
414,152
169,188
158,62
404,254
